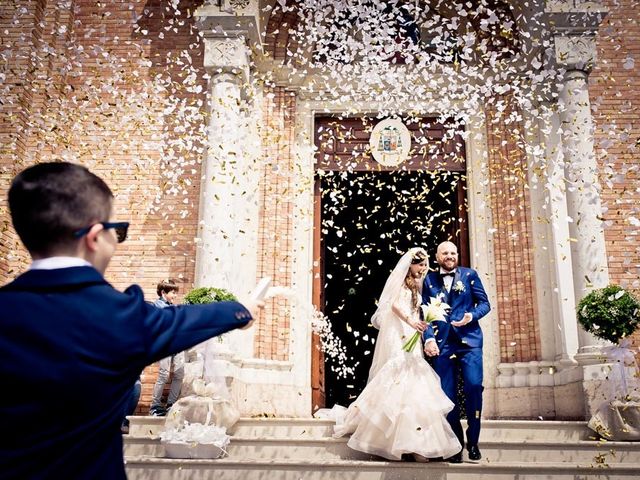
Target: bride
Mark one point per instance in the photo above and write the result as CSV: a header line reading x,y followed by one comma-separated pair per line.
x,y
403,408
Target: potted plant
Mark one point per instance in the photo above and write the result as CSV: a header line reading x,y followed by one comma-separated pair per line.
x,y
613,313
196,425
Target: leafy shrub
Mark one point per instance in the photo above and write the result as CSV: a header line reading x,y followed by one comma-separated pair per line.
x,y
202,295
611,313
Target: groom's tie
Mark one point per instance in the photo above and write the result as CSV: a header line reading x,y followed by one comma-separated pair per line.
x,y
444,276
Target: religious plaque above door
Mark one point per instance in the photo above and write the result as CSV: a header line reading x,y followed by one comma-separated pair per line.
x,y
390,142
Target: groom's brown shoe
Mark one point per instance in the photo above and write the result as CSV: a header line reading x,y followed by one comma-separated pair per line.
x,y
457,458
474,452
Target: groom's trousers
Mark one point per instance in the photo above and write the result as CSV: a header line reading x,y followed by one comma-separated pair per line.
x,y
450,365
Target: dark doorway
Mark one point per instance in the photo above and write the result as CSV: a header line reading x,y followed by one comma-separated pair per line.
x,y
369,219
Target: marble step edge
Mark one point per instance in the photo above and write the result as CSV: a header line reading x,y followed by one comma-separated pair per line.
x,y
324,421
372,465
314,426
490,443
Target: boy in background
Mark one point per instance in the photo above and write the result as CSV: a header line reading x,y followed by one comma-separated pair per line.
x,y
167,292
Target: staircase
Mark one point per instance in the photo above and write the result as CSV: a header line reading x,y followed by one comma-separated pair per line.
x,y
293,449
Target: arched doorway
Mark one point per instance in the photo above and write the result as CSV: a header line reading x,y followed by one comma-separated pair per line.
x,y
366,216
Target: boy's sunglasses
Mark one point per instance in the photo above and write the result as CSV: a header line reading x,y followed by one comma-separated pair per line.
x,y
121,229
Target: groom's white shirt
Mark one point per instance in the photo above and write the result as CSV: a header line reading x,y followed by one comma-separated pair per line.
x,y
448,280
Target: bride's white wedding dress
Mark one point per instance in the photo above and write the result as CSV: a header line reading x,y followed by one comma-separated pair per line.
x,y
403,408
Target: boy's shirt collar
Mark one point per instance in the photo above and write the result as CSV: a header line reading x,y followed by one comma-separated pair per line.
x,y
53,263
161,302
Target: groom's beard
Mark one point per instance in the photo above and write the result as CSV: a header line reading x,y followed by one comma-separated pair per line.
x,y
449,266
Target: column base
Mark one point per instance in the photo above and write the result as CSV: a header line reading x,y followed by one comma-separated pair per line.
x,y
255,387
561,390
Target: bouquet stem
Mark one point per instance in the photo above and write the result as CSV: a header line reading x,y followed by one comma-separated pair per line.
x,y
411,344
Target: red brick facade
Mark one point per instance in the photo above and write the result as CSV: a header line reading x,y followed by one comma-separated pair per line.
x,y
614,91
614,87
275,243
510,204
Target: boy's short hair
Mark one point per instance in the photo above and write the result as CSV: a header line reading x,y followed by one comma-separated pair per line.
x,y
166,286
50,201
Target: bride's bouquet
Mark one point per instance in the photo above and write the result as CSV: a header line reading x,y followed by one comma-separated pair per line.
x,y
436,309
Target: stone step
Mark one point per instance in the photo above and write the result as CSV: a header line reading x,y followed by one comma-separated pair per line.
x,y
583,452
294,428
144,468
249,427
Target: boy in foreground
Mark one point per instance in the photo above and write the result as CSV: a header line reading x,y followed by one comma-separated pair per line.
x,y
71,346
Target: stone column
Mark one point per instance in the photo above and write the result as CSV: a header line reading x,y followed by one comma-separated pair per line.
x,y
228,228
564,321
588,251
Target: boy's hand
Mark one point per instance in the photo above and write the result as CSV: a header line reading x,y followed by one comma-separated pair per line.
x,y
254,307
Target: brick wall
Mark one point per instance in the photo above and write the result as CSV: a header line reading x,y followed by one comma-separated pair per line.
x,y
510,204
108,85
615,99
275,244
614,90
17,71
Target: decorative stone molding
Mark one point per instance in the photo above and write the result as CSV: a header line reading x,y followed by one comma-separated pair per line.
x,y
574,6
575,16
225,5
574,24
577,52
238,4
229,17
227,55
526,374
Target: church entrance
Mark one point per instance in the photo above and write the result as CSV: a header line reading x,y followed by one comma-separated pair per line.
x,y
366,217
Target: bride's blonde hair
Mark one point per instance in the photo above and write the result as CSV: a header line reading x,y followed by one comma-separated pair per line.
x,y
419,255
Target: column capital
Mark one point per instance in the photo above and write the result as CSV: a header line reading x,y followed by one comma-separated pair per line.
x,y
227,55
575,52
574,24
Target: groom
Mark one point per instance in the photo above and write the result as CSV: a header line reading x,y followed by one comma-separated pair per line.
x,y
456,343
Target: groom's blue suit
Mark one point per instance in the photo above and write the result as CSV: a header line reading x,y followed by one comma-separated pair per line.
x,y
460,347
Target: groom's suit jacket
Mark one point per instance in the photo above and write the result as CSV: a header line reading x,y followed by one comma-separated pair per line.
x,y
466,295
71,349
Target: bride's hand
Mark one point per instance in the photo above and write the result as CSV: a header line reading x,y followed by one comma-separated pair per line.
x,y
417,324
431,349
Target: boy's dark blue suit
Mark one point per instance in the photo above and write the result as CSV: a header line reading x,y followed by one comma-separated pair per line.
x,y
460,347
71,349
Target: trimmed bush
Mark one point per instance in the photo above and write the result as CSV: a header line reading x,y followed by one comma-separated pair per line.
x,y
611,313
202,295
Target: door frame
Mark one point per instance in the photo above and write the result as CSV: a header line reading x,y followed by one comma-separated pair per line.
x,y
318,395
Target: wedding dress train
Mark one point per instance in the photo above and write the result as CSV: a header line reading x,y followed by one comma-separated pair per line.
x,y
403,408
